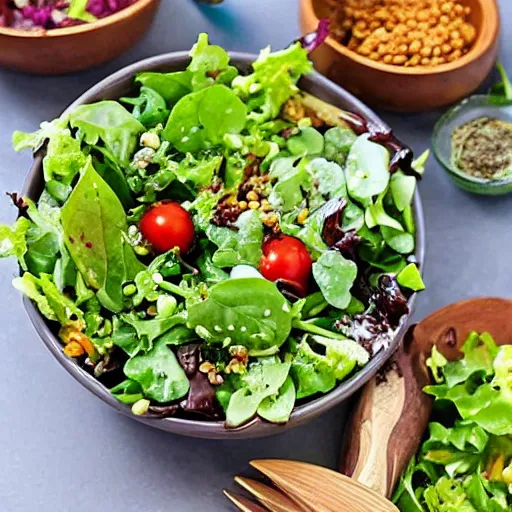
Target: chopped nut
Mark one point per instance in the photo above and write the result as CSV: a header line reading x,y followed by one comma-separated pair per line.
x,y
254,205
270,220
235,366
74,349
206,367
252,196
303,215
214,378
151,311
150,140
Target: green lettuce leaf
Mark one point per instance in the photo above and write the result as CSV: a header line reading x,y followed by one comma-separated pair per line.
x,y
241,246
273,81
13,241
109,121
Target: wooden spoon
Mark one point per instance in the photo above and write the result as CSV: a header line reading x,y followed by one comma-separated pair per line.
x,y
386,425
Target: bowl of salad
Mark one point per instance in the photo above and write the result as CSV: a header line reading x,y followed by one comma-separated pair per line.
x,y
219,245
53,37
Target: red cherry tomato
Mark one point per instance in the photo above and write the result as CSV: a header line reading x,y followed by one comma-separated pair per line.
x,y
286,257
167,225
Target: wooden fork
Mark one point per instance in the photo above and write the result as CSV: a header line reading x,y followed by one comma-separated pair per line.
x,y
386,425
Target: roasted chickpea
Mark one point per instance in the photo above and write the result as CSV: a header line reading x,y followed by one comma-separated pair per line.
x,y
399,59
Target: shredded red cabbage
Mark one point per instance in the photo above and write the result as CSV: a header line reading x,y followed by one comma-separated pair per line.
x,y
314,39
49,14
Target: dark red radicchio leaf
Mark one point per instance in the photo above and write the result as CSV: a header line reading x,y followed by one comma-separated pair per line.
x,y
375,330
314,39
402,155
201,396
390,301
332,233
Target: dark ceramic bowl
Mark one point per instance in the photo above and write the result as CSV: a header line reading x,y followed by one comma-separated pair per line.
x,y
119,84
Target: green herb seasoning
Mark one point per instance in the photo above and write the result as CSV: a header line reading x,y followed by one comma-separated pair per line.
x,y
483,148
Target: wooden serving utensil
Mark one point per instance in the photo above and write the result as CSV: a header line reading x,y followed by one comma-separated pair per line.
x,y
386,425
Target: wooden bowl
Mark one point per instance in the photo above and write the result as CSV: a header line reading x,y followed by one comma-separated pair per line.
x,y
65,50
410,89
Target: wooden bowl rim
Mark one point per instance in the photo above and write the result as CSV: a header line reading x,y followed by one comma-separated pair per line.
x,y
486,38
123,14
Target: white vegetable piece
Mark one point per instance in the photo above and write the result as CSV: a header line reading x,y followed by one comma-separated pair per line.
x,y
241,271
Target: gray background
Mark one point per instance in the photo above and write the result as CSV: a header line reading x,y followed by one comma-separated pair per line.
x,y
60,448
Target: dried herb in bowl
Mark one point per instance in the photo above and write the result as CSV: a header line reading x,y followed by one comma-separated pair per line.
x,y
199,249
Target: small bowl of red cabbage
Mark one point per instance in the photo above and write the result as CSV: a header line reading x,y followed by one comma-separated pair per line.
x,y
63,36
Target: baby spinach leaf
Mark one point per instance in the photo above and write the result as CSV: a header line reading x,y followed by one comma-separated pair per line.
x,y
110,170
170,86
376,215
335,276
402,189
310,234
149,108
217,106
220,112
112,123
307,142
210,272
47,252
410,277
239,247
338,141
367,169
278,408
128,392
248,311
159,374
328,178
13,241
291,180
94,221
399,240
261,381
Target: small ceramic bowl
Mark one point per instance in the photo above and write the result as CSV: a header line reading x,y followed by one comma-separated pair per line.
x,y
469,109
411,89
70,49
121,84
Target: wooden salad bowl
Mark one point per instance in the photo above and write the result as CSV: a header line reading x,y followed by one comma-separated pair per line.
x,y
65,50
388,423
409,89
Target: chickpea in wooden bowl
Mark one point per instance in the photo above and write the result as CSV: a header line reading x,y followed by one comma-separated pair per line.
x,y
406,55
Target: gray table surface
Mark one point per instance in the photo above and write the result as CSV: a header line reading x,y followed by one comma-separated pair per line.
x,y
60,448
